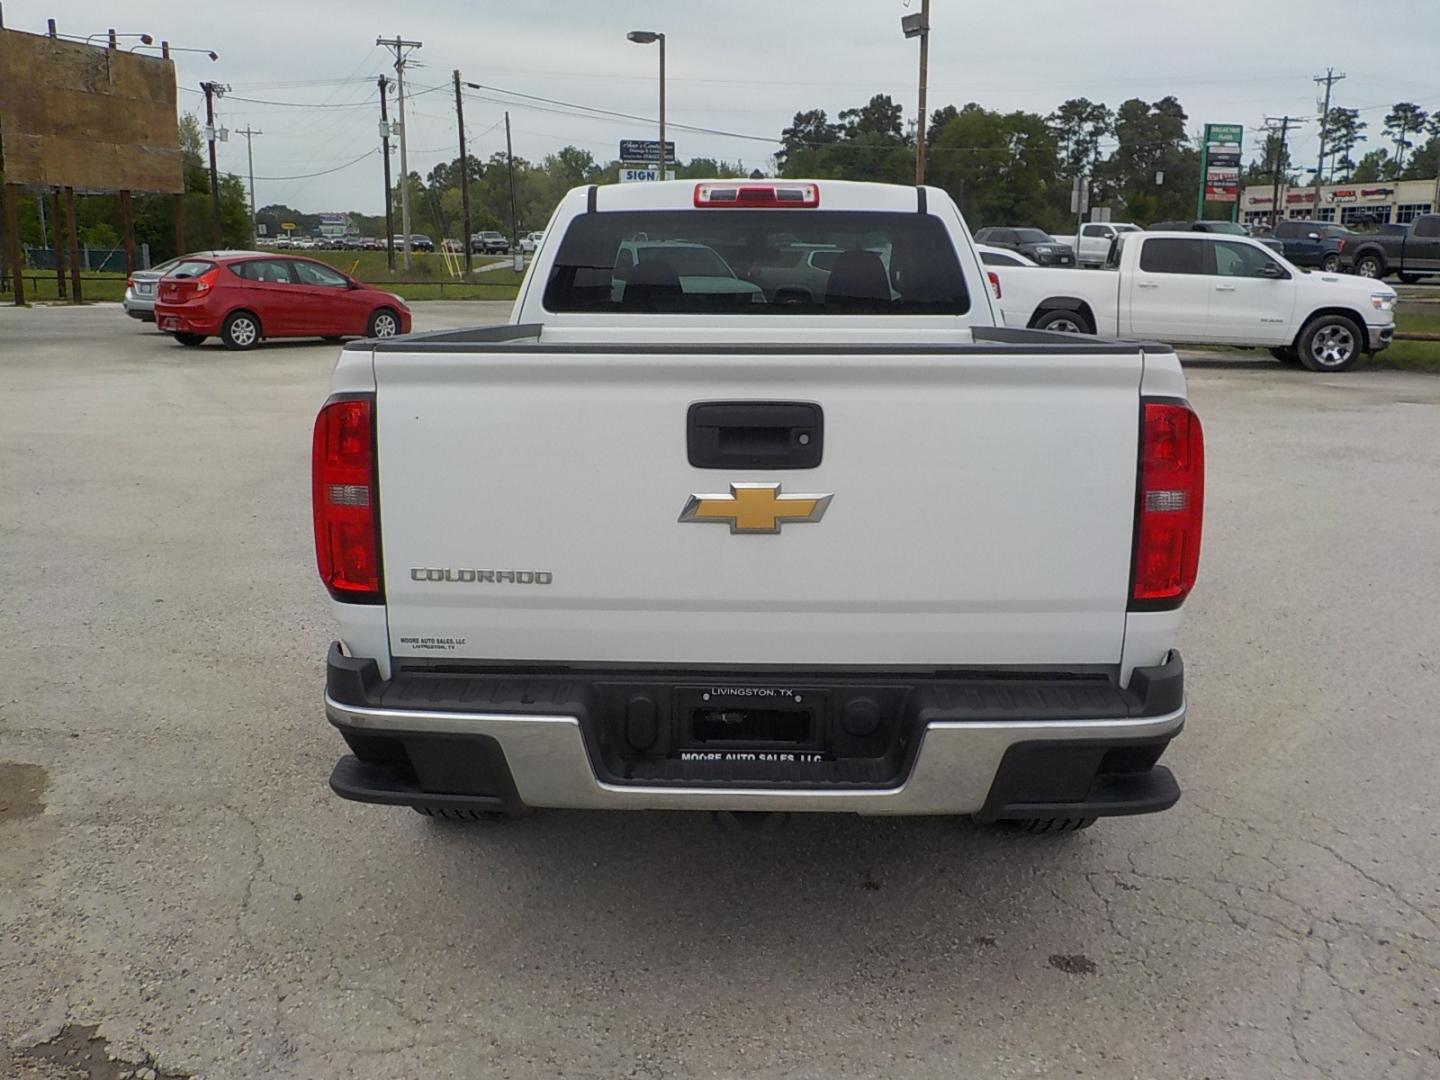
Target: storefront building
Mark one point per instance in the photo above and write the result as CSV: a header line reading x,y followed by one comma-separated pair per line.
x,y
1381,202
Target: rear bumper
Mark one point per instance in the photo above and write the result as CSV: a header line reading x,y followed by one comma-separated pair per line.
x,y
186,319
503,743
139,307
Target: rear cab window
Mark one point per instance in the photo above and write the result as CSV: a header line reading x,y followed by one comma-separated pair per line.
x,y
1172,255
757,262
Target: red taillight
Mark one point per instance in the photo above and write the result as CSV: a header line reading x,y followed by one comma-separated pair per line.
x,y
994,282
345,497
1170,506
129,282
206,281
1341,249
792,196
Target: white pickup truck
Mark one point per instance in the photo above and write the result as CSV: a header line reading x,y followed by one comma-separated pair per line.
x,y
1207,288
668,547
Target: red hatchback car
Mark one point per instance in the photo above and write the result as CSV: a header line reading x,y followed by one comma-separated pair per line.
x,y
244,298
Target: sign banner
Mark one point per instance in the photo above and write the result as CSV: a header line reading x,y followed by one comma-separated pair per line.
x,y
1220,162
645,150
633,176
1221,185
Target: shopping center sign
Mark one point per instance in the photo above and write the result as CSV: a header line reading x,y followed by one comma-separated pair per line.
x,y
1220,166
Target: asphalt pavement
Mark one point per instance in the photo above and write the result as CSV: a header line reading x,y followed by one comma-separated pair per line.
x,y
181,895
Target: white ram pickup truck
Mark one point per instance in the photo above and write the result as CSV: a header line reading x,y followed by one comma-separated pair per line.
x,y
658,545
1207,288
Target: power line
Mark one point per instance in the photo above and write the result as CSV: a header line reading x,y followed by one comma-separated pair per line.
x,y
323,172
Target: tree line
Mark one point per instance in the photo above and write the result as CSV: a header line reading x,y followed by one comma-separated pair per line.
x,y
1002,168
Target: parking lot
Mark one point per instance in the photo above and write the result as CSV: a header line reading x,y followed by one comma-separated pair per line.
x,y
176,872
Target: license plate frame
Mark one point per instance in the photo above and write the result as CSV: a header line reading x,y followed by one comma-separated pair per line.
x,y
769,723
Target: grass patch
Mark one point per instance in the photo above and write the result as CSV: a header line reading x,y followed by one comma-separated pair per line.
x,y
427,278
99,287
1412,355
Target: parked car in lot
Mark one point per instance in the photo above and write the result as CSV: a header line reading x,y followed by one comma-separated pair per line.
x,y
1411,251
245,298
1208,288
450,244
142,286
418,242
867,554
1092,242
530,242
1034,244
490,242
371,243
1315,244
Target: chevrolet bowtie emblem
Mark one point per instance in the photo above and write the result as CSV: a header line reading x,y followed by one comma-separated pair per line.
x,y
755,508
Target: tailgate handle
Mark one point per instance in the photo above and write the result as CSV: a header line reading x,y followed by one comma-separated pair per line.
x,y
755,434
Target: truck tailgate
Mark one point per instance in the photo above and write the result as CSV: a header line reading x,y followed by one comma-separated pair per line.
x,y
982,506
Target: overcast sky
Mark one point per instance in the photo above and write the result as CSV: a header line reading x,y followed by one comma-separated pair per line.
x,y
744,67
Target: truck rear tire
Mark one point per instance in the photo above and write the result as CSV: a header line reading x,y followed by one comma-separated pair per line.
x,y
1370,266
1331,343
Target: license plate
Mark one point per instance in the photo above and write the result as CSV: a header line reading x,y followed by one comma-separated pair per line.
x,y
737,723
144,290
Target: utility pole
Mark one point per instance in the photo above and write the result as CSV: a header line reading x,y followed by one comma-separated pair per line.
x,y
662,135
464,177
1329,79
1278,164
402,50
385,152
212,91
510,160
918,25
924,80
250,157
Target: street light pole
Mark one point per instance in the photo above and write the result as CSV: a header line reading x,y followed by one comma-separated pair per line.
x,y
649,37
662,106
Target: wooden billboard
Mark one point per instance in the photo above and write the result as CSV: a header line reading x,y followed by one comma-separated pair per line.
x,y
87,117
